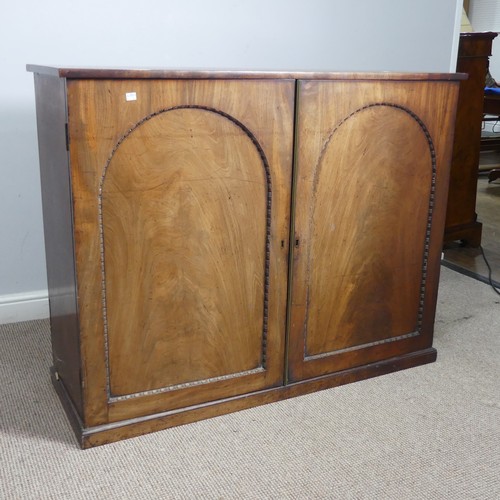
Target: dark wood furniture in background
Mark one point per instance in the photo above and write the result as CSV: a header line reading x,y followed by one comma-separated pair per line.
x,y
461,217
491,107
494,174
184,283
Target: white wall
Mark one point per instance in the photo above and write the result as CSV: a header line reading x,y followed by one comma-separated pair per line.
x,y
340,35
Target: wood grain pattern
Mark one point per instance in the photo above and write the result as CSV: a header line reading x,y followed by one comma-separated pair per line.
x,y
363,279
366,183
184,204
99,118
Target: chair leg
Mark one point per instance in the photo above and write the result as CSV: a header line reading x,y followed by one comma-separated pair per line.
x,y
494,175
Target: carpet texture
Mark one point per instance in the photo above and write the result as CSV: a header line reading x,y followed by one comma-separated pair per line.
x,y
431,432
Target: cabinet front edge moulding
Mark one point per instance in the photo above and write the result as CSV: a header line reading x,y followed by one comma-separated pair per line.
x,y
188,74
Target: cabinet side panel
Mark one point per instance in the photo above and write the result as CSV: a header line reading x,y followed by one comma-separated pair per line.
x,y
58,230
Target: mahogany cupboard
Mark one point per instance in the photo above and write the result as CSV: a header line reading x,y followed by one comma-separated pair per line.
x,y
217,240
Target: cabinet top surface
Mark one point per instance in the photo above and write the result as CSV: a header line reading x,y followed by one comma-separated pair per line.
x,y
181,74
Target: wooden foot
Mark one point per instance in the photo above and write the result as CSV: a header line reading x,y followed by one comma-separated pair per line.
x,y
469,235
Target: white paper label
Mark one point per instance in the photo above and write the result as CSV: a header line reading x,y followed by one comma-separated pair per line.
x,y
131,96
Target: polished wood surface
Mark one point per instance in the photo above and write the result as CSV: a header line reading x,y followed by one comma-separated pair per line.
x,y
213,74
360,273
184,204
461,217
208,277
185,214
58,229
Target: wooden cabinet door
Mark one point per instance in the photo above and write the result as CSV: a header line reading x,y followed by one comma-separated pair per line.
x,y
181,204
370,198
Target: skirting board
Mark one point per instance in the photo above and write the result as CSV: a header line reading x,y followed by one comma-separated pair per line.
x,y
27,306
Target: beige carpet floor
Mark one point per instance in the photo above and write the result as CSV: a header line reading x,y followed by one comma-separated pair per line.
x,y
432,432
